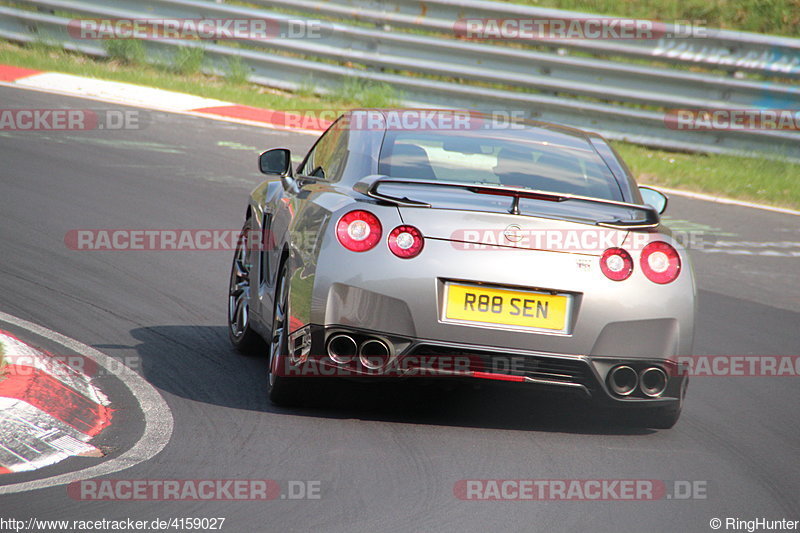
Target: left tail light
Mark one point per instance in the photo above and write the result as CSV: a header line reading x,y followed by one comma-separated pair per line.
x,y
359,231
660,262
616,264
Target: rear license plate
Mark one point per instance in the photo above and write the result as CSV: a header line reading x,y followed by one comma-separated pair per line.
x,y
506,307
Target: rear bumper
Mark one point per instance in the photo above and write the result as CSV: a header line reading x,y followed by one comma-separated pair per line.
x,y
633,319
583,375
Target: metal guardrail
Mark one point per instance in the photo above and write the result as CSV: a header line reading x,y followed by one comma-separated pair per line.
x,y
547,72
626,100
728,50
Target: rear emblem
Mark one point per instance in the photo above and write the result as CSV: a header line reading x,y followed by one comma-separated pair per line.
x,y
513,233
583,265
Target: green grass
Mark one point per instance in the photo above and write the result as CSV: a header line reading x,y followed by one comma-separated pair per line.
x,y
125,51
761,180
185,77
188,60
777,17
307,88
237,72
768,181
366,94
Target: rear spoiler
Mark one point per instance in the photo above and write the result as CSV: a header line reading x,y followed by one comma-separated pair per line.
x,y
369,186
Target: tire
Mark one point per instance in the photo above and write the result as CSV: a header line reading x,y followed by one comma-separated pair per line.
x,y
242,336
282,390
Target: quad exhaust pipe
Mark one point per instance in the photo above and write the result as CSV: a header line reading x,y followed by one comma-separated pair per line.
x,y
653,382
623,380
372,353
342,348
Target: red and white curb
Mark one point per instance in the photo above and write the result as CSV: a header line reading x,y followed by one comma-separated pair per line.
x,y
159,99
48,410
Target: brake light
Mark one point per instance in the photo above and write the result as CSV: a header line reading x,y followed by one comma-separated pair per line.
x,y
616,264
406,241
660,262
359,231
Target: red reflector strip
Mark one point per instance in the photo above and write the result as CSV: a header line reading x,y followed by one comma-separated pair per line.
x,y
45,392
498,377
4,470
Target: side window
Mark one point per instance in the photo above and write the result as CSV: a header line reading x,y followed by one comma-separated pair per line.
x,y
326,159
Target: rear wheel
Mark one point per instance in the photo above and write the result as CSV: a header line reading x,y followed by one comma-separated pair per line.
x,y
282,390
242,336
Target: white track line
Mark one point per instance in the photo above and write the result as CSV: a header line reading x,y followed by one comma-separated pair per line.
x,y
117,92
157,416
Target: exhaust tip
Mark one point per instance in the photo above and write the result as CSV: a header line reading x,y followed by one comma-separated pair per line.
x,y
653,382
374,354
342,348
622,380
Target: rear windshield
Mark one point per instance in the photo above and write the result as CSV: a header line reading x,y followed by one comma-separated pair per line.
x,y
515,158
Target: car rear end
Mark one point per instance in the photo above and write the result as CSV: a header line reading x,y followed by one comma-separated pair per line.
x,y
506,297
589,295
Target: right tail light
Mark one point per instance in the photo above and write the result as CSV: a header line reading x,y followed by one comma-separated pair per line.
x,y
406,241
660,262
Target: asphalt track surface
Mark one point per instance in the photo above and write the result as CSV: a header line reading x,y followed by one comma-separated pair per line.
x,y
387,457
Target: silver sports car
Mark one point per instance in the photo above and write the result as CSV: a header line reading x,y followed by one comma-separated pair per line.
x,y
456,245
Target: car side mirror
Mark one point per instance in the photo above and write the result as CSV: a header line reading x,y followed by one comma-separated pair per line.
x,y
276,161
657,199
